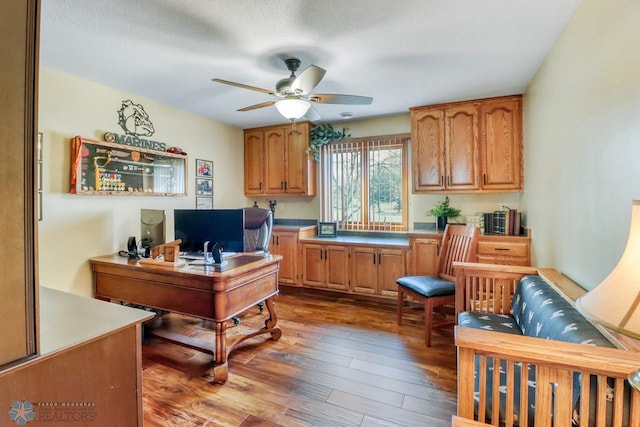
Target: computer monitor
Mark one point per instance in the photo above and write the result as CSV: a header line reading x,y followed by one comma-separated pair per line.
x,y
194,227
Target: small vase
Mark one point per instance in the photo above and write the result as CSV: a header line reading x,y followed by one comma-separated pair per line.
x,y
442,222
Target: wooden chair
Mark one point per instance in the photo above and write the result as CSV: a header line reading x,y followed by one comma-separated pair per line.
x,y
458,244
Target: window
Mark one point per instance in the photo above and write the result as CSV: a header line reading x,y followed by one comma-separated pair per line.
x,y
364,183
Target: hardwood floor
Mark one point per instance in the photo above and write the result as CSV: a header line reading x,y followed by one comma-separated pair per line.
x,y
339,362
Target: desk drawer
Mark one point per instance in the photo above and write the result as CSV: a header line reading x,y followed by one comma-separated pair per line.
x,y
503,249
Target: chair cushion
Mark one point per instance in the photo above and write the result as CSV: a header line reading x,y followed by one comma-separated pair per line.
x,y
429,286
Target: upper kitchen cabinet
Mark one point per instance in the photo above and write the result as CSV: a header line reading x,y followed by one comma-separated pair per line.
x,y
253,162
445,153
466,147
501,143
276,161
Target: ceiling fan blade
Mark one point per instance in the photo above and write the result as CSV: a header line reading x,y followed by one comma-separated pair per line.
x,y
256,106
308,79
312,114
325,98
243,86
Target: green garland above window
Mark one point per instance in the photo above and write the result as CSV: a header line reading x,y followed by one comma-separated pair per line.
x,y
320,135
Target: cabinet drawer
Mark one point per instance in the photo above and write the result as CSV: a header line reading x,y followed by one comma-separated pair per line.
x,y
506,249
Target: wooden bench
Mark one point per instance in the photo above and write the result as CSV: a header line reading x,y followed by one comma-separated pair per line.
x,y
489,288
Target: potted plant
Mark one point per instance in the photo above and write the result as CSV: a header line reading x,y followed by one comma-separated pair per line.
x,y
442,211
322,134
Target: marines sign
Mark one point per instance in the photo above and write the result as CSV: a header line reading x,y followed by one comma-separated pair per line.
x,y
135,123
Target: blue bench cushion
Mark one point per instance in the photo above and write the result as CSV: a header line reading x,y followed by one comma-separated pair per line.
x,y
489,322
429,286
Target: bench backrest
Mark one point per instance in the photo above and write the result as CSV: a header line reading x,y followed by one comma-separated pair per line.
x,y
540,311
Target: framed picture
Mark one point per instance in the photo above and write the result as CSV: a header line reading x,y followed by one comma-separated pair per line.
x,y
204,202
204,187
204,168
327,229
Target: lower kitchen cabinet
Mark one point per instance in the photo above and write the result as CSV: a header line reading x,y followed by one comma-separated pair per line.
x,y
492,249
372,266
374,271
284,242
363,270
325,266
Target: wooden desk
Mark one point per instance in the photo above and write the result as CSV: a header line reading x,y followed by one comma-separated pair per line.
x,y
207,292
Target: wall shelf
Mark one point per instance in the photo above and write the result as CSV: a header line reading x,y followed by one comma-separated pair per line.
x,y
107,168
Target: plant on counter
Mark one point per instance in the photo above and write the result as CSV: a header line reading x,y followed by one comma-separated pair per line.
x,y
320,135
442,211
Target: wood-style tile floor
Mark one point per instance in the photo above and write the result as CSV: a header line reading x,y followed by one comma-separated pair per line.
x,y
340,362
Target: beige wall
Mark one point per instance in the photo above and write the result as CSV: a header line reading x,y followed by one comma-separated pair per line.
x,y
582,141
76,227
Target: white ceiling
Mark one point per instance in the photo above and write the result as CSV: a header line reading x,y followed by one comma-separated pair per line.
x,y
403,53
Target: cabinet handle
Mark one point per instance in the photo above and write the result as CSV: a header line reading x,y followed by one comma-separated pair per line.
x,y
379,259
442,181
320,253
374,258
260,185
448,180
484,179
325,254
282,185
285,185
503,249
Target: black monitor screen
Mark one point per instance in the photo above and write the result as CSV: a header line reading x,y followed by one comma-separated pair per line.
x,y
194,227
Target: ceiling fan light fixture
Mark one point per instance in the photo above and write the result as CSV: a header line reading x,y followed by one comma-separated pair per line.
x,y
293,109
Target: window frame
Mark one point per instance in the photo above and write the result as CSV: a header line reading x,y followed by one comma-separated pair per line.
x,y
366,146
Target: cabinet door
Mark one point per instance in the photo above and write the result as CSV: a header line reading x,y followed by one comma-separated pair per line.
x,y
363,270
286,245
461,141
313,265
501,144
424,257
253,162
297,164
337,267
275,151
427,142
391,266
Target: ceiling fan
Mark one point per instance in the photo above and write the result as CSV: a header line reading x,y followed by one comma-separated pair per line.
x,y
294,93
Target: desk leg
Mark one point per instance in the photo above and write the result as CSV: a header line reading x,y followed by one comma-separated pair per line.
x,y
270,323
219,373
220,370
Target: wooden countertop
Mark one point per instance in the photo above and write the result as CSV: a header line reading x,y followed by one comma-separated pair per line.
x,y
67,319
359,240
295,228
